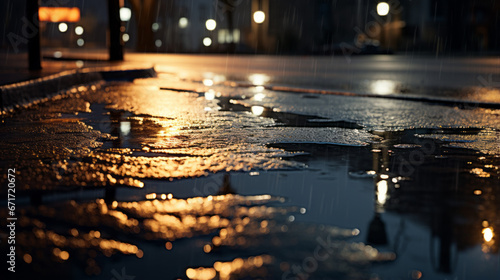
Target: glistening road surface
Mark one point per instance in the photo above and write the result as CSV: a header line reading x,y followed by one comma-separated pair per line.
x,y
380,74
191,175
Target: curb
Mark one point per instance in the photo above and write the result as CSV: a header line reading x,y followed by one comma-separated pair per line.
x,y
25,93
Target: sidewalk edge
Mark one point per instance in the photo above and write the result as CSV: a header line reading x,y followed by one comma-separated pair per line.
x,y
27,92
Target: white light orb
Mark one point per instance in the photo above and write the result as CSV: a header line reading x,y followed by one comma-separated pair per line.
x,y
207,42
183,22
210,24
155,26
79,30
125,37
63,27
125,14
383,9
259,17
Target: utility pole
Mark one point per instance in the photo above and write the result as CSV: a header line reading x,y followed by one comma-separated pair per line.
x,y
114,22
359,18
34,52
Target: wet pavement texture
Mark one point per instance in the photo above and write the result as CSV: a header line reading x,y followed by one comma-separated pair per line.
x,y
190,178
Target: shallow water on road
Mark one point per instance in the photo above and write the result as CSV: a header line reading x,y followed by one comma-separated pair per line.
x,y
205,181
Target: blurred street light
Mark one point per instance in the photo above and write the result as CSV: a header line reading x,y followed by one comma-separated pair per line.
x,y
79,30
63,27
155,26
487,234
383,87
383,9
259,17
207,42
125,14
125,37
80,42
183,22
210,24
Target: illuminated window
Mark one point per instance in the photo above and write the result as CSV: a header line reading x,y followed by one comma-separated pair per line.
x,y
224,36
59,14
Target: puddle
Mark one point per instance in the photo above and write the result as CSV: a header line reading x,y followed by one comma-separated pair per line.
x,y
283,118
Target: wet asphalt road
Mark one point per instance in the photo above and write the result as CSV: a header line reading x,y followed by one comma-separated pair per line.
x,y
201,174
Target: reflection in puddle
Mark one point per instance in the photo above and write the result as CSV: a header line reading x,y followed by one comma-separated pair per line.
x,y
259,79
252,266
383,87
215,78
487,234
208,82
427,183
382,192
257,110
125,128
210,94
81,233
259,96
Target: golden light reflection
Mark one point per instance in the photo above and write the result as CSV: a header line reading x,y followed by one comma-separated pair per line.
x,y
168,133
150,87
488,234
487,94
27,258
201,273
208,82
139,254
488,237
210,95
236,268
242,221
64,255
480,172
207,248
